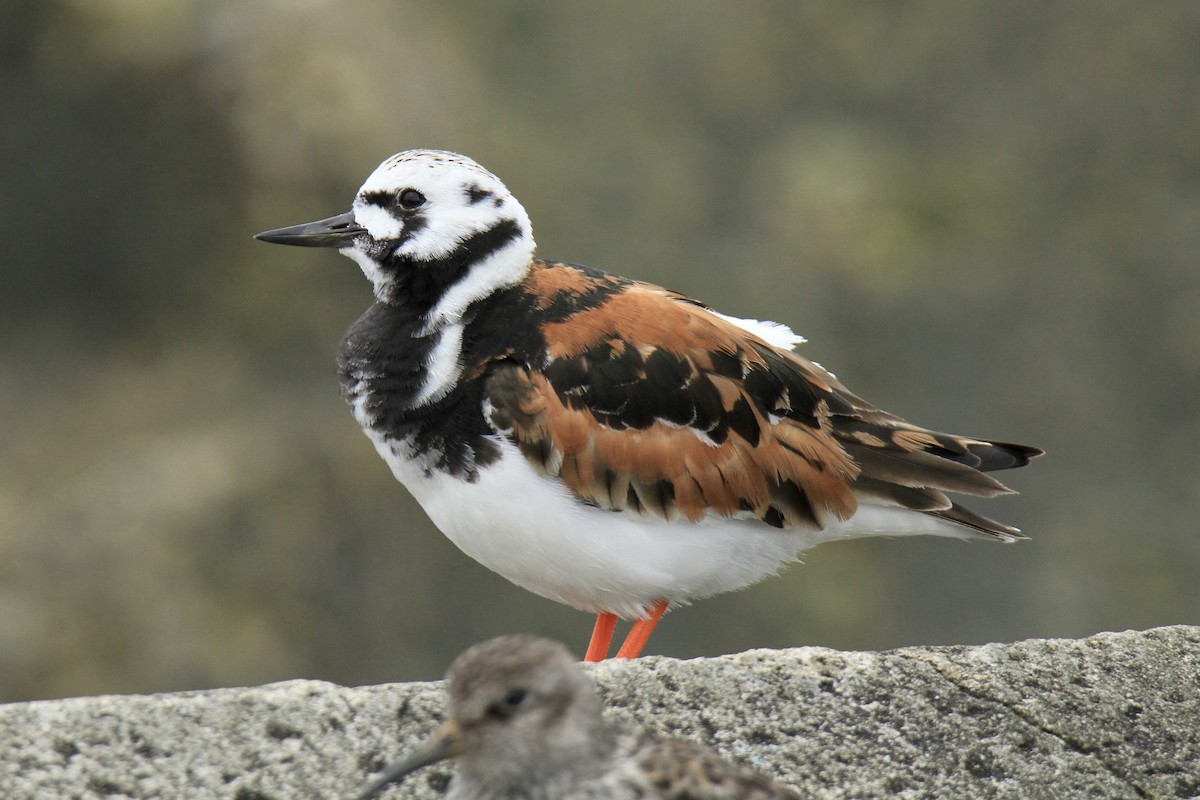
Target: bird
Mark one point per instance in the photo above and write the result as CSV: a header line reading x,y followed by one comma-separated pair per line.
x,y
524,720
604,442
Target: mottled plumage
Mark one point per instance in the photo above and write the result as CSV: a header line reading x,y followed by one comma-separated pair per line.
x,y
524,721
603,442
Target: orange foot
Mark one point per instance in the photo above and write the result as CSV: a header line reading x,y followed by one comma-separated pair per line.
x,y
635,642
602,636
639,634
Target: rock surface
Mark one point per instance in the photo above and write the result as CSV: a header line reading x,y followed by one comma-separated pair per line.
x,y
1115,715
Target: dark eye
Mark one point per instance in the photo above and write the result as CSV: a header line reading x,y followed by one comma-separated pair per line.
x,y
508,706
411,198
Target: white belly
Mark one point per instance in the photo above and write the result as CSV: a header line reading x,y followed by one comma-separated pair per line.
x,y
531,530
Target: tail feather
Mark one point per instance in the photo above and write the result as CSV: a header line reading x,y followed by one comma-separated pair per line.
x,y
905,466
967,517
992,456
924,469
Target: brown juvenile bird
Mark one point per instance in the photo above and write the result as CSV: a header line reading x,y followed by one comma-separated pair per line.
x,y
524,721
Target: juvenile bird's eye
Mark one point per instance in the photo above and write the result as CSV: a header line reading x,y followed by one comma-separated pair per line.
x,y
411,198
505,708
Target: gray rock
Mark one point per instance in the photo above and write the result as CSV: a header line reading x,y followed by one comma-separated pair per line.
x,y
1111,716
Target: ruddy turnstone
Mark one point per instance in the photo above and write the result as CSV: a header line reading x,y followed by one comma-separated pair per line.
x,y
525,721
603,442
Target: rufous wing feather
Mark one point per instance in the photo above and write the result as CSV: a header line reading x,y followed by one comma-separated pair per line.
x,y
651,403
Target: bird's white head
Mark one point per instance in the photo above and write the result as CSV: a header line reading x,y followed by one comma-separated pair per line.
x,y
426,203
429,223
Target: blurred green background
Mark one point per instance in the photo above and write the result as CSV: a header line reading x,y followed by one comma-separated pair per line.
x,y
985,217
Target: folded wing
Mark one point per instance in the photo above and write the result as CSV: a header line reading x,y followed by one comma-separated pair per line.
x,y
653,404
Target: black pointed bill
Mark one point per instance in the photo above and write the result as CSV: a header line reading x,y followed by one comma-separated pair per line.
x,y
446,742
338,232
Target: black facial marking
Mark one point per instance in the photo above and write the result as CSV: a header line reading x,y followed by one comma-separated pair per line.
x,y
420,283
477,194
404,200
378,198
411,219
414,223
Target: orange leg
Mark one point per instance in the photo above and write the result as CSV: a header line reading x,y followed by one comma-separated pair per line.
x,y
639,634
601,637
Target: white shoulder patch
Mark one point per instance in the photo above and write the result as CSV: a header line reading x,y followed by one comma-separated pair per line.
x,y
775,334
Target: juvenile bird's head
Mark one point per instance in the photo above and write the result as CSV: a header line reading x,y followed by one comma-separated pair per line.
x,y
521,715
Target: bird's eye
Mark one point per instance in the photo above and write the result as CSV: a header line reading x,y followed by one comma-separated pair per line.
x,y
505,708
411,198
